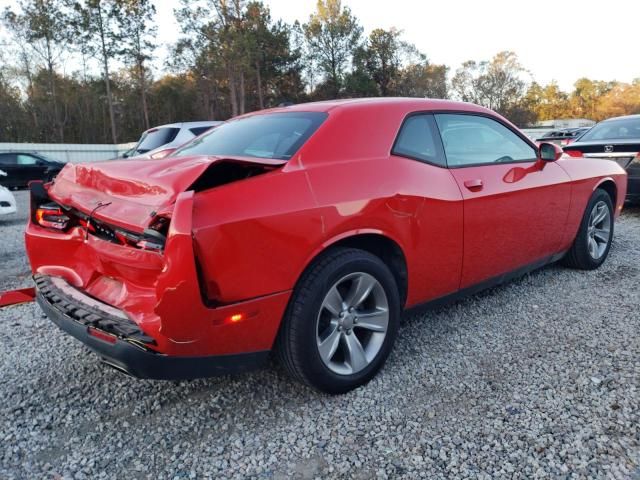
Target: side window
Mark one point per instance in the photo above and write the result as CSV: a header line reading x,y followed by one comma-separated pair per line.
x,y
418,139
27,160
475,140
7,159
199,130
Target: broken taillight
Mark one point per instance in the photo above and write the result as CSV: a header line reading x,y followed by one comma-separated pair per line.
x,y
51,216
155,237
150,245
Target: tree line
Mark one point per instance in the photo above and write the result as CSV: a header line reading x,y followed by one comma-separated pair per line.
x,y
80,70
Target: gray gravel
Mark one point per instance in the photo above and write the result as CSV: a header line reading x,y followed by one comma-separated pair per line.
x,y
14,268
537,378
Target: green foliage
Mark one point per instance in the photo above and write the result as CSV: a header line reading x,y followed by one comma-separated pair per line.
x,y
497,84
14,121
233,57
41,29
332,33
137,32
384,65
592,99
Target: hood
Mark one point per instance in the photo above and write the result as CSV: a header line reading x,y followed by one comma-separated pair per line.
x,y
129,193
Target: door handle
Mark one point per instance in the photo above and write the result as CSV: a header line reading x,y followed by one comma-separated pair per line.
x,y
473,185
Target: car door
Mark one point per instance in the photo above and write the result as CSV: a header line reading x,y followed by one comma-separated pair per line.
x,y
515,208
419,160
8,165
30,168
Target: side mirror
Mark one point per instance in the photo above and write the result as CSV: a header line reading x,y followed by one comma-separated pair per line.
x,y
549,152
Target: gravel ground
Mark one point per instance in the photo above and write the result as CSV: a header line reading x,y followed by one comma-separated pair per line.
x,y
537,378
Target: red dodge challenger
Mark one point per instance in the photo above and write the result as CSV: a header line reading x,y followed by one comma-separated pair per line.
x,y
306,230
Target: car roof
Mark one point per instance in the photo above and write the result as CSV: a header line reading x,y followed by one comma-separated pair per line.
x,y
211,123
22,152
625,117
411,104
26,152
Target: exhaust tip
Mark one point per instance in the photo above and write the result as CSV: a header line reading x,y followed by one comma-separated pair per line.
x,y
116,367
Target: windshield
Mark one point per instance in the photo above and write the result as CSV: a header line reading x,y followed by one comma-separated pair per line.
x,y
623,129
272,135
155,138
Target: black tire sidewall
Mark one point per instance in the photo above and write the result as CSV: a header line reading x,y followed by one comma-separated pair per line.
x,y
582,255
314,368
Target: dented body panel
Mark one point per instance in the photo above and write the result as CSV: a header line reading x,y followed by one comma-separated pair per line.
x,y
242,230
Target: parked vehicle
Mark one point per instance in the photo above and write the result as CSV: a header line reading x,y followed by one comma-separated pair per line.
x,y
7,200
307,230
166,138
616,139
563,136
22,167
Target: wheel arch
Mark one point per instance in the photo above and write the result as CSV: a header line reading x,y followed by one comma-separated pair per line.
x,y
609,186
377,243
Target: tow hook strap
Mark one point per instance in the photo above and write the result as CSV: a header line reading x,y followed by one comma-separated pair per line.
x,y
14,297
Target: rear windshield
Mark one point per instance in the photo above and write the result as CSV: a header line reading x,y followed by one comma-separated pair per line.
x,y
625,128
272,135
155,138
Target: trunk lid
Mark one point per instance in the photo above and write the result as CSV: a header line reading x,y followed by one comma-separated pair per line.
x,y
606,147
623,152
129,193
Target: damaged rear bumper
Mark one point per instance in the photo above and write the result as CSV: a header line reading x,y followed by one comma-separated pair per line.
x,y
120,343
150,301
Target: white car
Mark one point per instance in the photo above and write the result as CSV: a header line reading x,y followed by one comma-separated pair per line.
x,y
166,138
7,200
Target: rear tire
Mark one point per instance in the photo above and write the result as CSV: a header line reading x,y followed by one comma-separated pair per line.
x,y
593,241
341,322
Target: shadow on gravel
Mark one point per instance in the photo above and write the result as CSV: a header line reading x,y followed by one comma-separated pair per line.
x,y
231,394
442,331
273,383
12,222
631,210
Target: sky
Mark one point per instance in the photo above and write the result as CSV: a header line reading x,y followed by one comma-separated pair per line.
x,y
559,40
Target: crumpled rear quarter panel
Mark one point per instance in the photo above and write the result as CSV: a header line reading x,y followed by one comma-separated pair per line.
x,y
159,292
252,237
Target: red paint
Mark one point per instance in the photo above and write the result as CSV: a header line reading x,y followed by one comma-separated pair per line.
x,y
244,245
509,224
14,297
574,153
105,337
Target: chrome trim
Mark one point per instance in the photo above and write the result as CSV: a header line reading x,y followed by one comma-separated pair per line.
x,y
610,155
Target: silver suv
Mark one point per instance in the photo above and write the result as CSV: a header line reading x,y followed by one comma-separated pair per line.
x,y
167,137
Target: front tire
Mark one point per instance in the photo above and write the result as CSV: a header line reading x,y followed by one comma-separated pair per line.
x,y
593,241
341,322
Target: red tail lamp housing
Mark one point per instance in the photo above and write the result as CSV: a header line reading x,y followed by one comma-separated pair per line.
x,y
51,216
574,153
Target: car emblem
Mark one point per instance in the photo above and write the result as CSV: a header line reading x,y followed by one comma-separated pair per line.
x,y
608,148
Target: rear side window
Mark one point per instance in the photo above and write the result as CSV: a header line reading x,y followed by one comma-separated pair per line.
x,y
156,137
418,139
199,130
272,135
27,160
7,159
476,140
